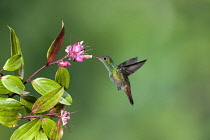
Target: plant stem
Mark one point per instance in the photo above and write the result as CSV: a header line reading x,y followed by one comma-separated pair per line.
x,y
13,94
39,116
29,79
46,65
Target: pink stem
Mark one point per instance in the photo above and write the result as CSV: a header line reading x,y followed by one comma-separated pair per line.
x,y
39,116
46,65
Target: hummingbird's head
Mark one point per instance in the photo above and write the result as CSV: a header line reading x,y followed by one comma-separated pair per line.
x,y
106,59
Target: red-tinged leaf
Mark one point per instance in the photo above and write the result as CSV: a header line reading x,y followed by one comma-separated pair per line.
x,y
15,49
62,77
27,131
56,45
47,101
47,125
57,131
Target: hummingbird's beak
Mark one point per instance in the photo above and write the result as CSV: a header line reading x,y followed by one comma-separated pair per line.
x,y
97,57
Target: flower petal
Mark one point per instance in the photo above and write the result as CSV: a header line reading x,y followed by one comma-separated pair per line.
x,y
79,59
77,51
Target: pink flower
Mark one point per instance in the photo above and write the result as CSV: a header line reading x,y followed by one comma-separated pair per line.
x,y
77,52
64,63
65,116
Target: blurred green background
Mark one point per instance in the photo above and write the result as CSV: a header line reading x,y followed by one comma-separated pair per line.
x,y
171,91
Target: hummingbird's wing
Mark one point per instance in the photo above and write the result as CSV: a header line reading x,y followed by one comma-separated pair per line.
x,y
129,69
127,90
129,62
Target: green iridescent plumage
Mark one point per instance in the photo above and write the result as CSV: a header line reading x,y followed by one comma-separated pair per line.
x,y
119,73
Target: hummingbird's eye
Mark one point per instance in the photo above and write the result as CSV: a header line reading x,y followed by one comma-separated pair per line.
x,y
104,58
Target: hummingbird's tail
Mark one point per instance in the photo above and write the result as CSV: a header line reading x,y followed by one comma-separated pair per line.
x,y
127,90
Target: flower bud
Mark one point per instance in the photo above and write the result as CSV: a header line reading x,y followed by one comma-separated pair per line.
x,y
64,63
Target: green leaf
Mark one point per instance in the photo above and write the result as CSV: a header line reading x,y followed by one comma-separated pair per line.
x,y
62,76
44,85
40,136
27,131
66,99
57,131
47,101
13,84
57,109
56,45
15,49
47,125
9,118
3,89
13,63
26,111
28,100
9,111
9,104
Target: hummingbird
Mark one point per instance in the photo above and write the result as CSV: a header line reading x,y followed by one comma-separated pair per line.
x,y
118,74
